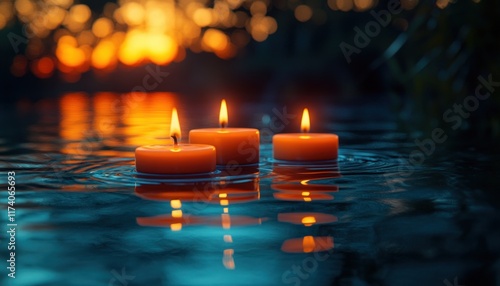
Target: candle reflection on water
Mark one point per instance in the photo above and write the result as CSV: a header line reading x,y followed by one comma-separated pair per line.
x,y
306,218
307,184
146,117
304,183
223,193
74,123
131,119
308,244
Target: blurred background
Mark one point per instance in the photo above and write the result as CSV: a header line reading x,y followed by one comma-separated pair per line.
x,y
421,56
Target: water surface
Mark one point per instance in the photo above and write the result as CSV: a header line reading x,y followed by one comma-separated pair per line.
x,y
86,217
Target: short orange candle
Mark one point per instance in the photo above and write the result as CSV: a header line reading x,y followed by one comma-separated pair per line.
x,y
305,146
233,145
175,158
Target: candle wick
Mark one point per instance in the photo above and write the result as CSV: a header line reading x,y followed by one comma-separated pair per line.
x,y
175,140
304,130
223,124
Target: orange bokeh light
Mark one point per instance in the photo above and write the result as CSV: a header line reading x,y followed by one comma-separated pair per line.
x,y
103,55
43,68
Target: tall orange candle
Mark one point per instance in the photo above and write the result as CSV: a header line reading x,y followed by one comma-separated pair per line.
x,y
233,145
175,158
305,146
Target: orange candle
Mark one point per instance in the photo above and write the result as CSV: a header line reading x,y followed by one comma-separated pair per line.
x,y
305,146
233,145
175,158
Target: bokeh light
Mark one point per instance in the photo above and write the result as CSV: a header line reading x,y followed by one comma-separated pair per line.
x,y
136,32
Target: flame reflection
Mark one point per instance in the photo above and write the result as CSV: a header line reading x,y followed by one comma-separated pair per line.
x,y
146,117
308,244
306,218
222,193
302,183
108,119
74,126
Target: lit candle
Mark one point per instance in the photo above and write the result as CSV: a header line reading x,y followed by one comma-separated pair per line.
x,y
175,158
305,146
233,145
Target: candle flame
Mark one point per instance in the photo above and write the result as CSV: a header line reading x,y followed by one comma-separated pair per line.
x,y
305,124
175,126
223,118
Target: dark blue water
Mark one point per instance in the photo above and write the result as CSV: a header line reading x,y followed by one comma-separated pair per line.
x,y
373,217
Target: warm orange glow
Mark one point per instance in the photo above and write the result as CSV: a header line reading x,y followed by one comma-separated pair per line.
x,y
70,56
364,4
308,220
44,67
86,38
74,124
80,13
177,213
176,204
258,7
162,49
24,7
305,124
145,116
215,40
202,17
133,13
442,3
303,13
132,50
102,27
151,30
345,5
105,117
223,117
226,221
175,126
74,116
103,55
228,259
54,18
297,197
308,244
176,226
